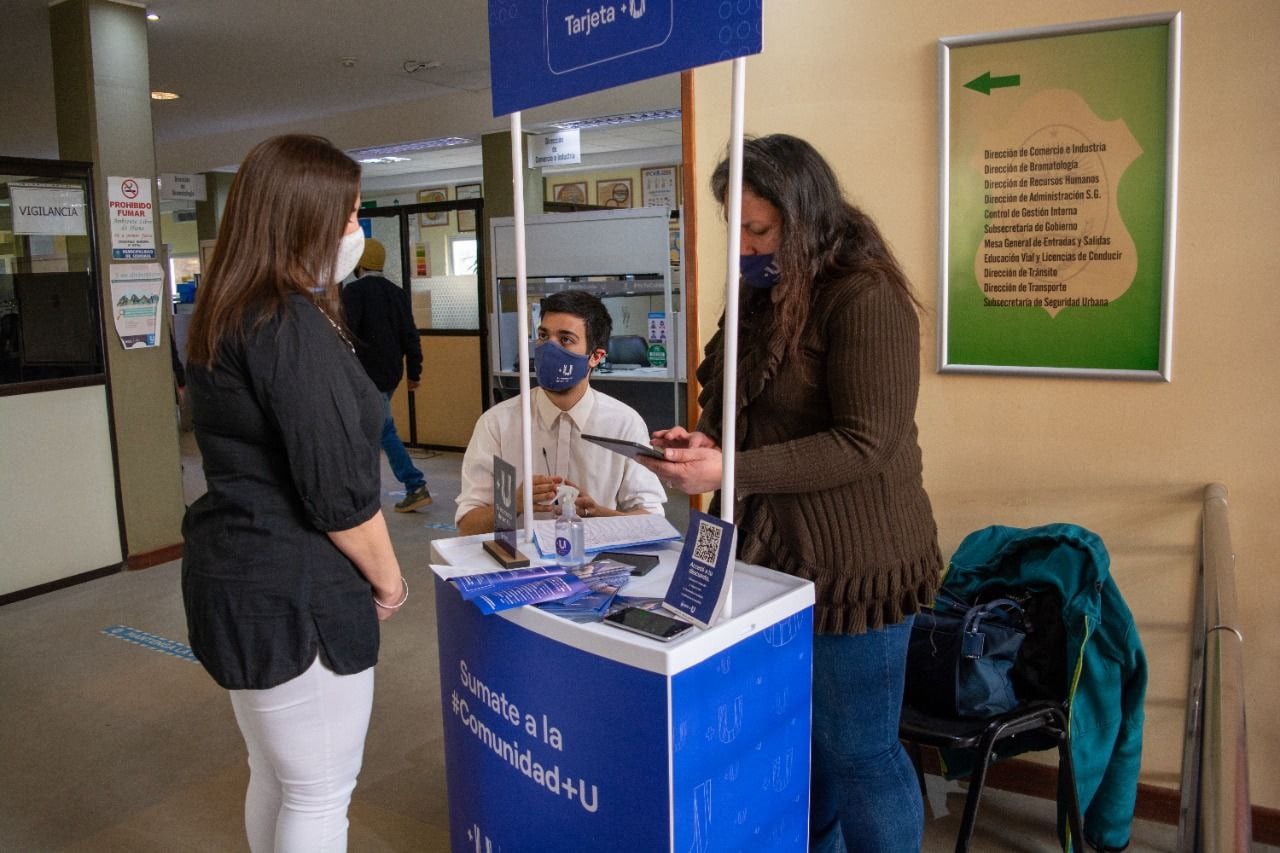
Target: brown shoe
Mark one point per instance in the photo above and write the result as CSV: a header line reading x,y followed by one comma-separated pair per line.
x,y
412,500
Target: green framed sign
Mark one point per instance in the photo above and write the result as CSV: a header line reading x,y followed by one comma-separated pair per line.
x,y
1058,199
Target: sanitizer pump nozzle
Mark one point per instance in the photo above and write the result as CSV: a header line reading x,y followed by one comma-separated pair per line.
x,y
569,540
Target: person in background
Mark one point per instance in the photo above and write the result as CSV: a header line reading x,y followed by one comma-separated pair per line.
x,y
179,372
386,338
573,337
288,567
829,476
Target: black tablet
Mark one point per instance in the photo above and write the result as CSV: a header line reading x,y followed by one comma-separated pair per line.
x,y
630,449
641,564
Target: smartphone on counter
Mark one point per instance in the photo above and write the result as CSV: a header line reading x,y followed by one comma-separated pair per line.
x,y
641,564
656,626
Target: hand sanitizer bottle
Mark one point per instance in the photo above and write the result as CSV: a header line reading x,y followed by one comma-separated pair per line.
x,y
569,551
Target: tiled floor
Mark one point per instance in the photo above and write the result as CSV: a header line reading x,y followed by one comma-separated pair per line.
x,y
107,745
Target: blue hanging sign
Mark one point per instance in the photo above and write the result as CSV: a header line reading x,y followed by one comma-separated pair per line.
x,y
541,51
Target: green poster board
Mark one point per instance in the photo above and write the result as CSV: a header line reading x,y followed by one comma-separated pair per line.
x,y
1058,189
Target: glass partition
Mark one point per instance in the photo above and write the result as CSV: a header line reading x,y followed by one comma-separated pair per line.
x,y
50,316
633,301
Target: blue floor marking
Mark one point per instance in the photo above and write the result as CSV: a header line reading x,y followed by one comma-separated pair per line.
x,y
151,641
436,525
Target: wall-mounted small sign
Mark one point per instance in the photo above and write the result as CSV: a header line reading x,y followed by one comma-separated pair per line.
x,y
180,187
562,148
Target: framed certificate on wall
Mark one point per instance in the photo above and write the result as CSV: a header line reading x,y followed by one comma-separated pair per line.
x,y
659,187
434,217
615,192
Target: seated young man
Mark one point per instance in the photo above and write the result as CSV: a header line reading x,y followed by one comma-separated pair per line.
x,y
572,339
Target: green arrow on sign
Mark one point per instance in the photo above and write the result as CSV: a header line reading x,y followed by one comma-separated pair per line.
x,y
986,82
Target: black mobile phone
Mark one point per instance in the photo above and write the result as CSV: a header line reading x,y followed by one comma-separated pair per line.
x,y
657,626
641,564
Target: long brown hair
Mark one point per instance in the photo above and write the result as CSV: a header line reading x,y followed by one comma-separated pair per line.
x,y
824,237
285,215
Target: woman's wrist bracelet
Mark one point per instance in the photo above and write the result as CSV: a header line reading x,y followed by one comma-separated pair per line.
x,y
399,603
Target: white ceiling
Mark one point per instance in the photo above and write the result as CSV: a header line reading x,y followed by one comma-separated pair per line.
x,y
247,69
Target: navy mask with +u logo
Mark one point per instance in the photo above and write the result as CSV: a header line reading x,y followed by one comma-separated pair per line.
x,y
558,369
758,270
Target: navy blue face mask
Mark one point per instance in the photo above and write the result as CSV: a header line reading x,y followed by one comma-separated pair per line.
x,y
558,369
758,271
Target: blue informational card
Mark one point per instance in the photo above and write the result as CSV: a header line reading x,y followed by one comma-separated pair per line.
x,y
704,572
542,52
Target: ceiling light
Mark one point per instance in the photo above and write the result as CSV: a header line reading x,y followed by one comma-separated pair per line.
x,y
369,160
615,120
152,16
165,96
412,66
406,147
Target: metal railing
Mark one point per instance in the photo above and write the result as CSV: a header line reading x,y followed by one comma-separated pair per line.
x,y
1215,811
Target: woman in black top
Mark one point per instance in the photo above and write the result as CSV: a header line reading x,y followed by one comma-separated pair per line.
x,y
288,565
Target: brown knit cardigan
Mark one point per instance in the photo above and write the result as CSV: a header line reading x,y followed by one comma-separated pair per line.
x,y
828,471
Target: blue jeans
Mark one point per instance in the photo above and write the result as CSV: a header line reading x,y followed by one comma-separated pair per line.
x,y
864,790
401,465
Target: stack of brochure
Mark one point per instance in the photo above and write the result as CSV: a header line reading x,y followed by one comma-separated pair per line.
x,y
603,578
582,595
495,591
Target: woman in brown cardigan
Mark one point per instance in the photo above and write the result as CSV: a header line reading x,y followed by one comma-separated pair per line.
x,y
828,470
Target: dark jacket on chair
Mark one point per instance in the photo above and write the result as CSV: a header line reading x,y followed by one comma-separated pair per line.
x,y
1106,667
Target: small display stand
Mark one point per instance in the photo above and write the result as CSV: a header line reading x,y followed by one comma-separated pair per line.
x,y
567,736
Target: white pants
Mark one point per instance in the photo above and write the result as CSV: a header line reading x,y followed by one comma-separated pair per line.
x,y
306,743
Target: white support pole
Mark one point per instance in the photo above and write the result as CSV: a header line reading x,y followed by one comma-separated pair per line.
x,y
733,213
522,320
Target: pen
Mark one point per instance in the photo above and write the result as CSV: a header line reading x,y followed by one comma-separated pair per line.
x,y
548,461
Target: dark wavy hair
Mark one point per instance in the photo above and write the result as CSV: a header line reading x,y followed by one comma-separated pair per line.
x,y
285,214
824,237
588,308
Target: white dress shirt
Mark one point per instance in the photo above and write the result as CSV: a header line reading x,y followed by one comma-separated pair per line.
x,y
611,479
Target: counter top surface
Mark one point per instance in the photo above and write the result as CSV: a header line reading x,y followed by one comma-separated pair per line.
x,y
761,597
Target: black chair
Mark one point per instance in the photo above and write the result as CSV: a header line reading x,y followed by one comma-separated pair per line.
x,y
1031,719
628,349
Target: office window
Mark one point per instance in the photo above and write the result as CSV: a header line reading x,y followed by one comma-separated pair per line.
x,y
50,320
462,256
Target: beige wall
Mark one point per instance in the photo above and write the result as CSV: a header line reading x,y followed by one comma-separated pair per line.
x,y
181,237
1126,459
59,439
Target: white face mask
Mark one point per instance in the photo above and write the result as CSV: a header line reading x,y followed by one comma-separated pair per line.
x,y
349,252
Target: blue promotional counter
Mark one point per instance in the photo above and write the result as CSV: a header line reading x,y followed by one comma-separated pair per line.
x,y
565,736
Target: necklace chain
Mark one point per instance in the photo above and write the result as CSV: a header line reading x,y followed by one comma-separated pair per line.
x,y
336,328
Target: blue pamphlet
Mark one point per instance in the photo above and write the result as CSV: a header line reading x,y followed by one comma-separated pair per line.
x,y
704,571
535,592
472,585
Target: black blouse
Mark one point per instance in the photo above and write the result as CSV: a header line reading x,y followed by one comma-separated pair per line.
x,y
288,424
